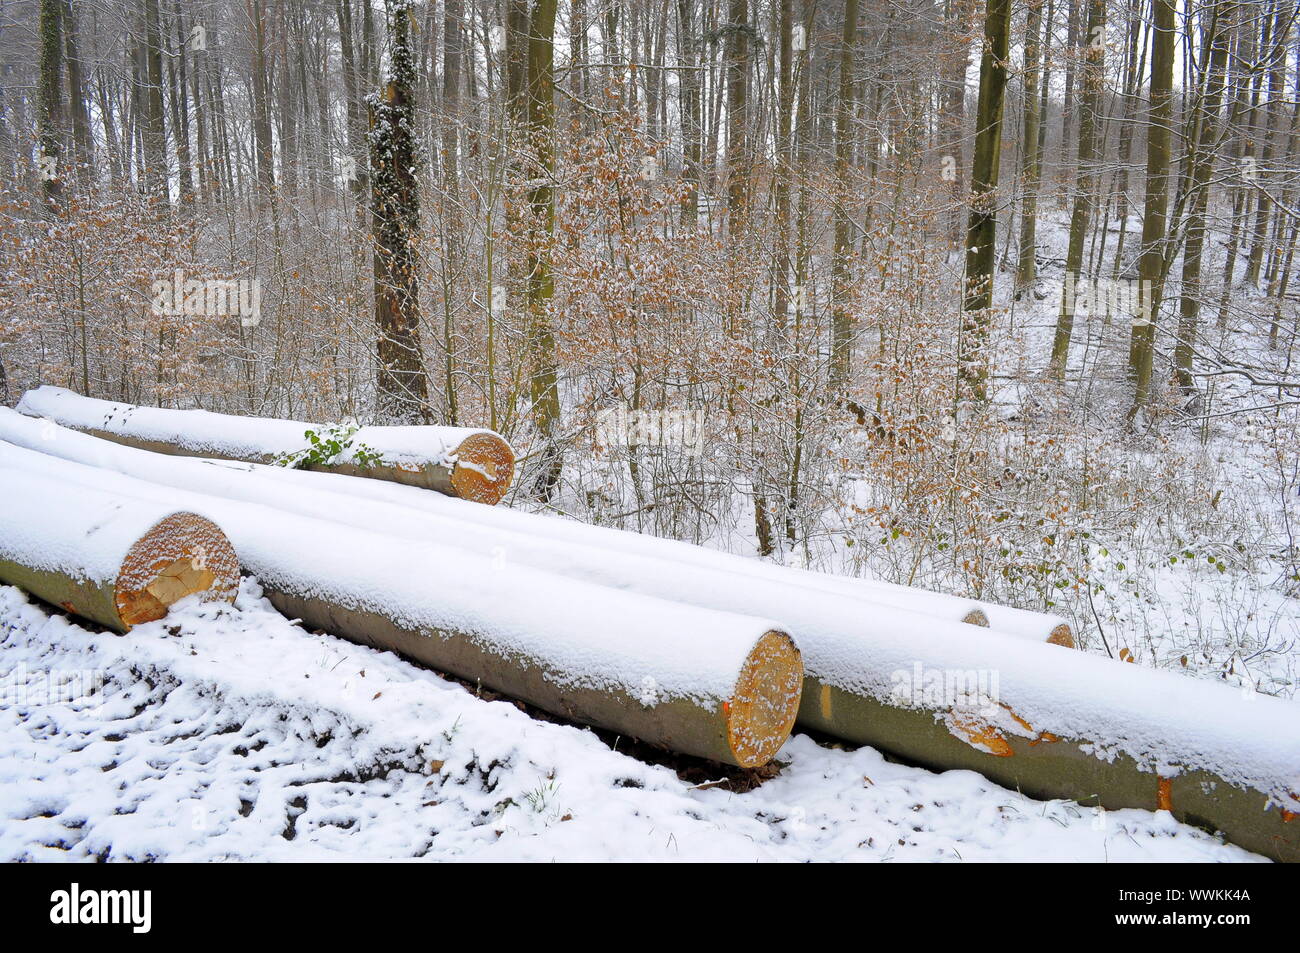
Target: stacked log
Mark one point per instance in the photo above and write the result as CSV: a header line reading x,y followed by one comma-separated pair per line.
x,y
481,522
1049,723
114,560
717,685
1019,623
548,532
252,440
471,464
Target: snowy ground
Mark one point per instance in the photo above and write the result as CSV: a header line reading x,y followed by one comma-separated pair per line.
x,y
232,733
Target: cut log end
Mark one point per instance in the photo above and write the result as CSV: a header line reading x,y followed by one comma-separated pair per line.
x,y
976,617
1062,635
180,555
766,699
485,465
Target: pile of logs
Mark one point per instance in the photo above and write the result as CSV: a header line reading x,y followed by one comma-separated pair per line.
x,y
717,685
705,653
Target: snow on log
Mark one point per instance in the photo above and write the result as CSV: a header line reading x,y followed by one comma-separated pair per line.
x,y
1021,623
238,438
1049,723
718,685
545,543
115,560
471,464
1034,626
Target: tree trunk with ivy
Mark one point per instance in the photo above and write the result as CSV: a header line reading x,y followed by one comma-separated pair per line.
x,y
981,230
395,156
49,116
845,106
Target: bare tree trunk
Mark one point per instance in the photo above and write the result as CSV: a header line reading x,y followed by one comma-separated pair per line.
x,y
177,71
83,140
1072,48
1239,154
792,63
540,287
287,107
453,33
952,117
1030,151
1283,16
1208,132
1085,198
264,154
689,90
1151,266
155,130
739,162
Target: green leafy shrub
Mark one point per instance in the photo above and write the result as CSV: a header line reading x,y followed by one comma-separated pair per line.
x,y
328,445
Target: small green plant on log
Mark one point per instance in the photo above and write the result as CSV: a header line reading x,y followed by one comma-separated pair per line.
x,y
327,445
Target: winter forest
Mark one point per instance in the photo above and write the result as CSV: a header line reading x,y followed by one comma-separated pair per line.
x,y
996,299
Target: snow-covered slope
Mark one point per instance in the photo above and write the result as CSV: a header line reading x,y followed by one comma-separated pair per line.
x,y
231,733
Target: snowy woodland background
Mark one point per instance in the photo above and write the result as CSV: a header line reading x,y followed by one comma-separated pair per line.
x,y
751,215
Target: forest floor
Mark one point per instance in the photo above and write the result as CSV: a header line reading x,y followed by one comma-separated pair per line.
x,y
232,733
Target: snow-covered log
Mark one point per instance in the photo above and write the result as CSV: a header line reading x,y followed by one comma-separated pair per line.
x,y
112,559
234,438
471,464
717,685
542,543
1021,623
1047,722
550,530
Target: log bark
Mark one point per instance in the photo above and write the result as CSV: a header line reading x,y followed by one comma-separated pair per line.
x,y
745,729
475,465
716,685
116,561
1043,765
